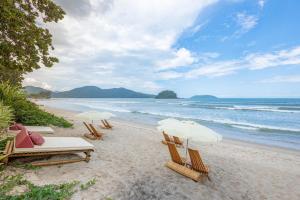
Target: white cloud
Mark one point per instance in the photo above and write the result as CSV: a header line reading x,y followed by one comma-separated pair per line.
x,y
182,57
117,43
283,79
214,69
261,3
166,75
283,57
245,22
254,61
32,81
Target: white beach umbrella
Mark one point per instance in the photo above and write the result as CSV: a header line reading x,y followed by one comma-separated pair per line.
x,y
168,121
189,130
94,115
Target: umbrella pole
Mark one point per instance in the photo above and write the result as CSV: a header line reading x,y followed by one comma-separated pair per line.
x,y
186,149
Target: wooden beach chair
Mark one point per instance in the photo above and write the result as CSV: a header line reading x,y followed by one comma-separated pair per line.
x,y
96,133
52,146
180,165
175,155
93,135
168,139
105,124
197,162
178,141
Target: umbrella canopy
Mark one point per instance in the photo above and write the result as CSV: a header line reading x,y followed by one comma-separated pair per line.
x,y
189,130
94,115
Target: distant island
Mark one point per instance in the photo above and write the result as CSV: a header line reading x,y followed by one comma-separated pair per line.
x,y
204,97
88,92
96,92
166,94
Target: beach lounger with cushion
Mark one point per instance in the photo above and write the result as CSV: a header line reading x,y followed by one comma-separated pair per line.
x,y
94,134
40,129
37,129
180,165
52,146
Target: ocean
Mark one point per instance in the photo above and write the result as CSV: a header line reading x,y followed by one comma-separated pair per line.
x,y
265,121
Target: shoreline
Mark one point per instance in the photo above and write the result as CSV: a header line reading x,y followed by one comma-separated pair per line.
x,y
153,127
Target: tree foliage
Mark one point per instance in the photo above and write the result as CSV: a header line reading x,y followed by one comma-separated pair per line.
x,y
24,41
6,116
25,111
166,94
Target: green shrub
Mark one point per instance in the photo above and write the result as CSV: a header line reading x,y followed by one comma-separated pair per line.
x,y
51,191
25,111
6,117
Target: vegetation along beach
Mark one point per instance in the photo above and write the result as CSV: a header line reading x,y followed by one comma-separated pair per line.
x,y
133,100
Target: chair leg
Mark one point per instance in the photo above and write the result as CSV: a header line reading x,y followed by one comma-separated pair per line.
x,y
208,177
87,156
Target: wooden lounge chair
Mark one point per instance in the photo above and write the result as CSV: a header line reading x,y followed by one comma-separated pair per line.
x,y
105,124
94,135
52,146
108,124
180,165
178,141
38,129
197,163
175,155
167,138
175,140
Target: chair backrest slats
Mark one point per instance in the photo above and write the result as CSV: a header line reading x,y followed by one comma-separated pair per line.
x,y
87,126
166,136
107,124
174,154
95,132
177,140
197,163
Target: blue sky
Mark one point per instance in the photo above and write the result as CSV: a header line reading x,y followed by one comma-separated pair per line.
x,y
229,48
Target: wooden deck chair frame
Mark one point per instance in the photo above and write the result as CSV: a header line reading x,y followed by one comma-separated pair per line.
x,y
90,135
197,162
179,164
178,141
175,155
9,153
96,133
108,124
105,124
168,138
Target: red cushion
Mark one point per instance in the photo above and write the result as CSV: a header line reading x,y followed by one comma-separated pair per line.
x,y
16,127
23,139
36,138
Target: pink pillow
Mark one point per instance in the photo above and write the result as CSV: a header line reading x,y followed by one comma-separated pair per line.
x,y
16,127
36,138
23,139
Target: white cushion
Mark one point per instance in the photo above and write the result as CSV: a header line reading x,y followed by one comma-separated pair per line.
x,y
58,144
40,129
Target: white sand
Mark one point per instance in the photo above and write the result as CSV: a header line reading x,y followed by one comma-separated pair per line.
x,y
129,164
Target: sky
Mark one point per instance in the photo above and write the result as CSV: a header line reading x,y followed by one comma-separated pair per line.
x,y
227,48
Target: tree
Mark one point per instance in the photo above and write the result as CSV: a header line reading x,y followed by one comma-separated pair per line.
x,y
24,42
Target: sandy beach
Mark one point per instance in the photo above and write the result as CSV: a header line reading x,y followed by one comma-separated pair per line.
x,y
129,164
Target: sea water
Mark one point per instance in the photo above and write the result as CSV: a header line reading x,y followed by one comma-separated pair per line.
x,y
266,121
